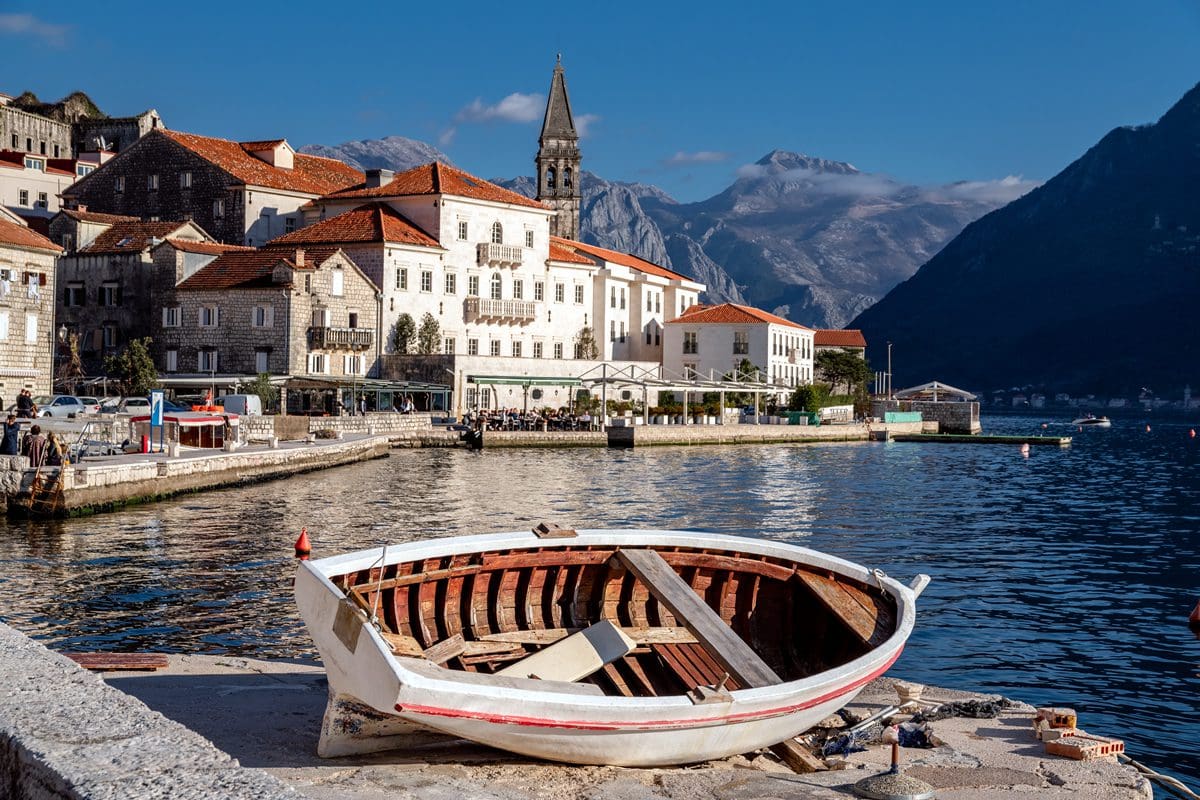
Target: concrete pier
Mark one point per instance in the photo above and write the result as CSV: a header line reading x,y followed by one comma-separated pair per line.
x,y
660,435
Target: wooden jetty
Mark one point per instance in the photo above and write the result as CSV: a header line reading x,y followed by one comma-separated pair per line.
x,y
956,438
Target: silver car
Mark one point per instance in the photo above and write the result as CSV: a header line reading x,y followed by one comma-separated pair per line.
x,y
58,405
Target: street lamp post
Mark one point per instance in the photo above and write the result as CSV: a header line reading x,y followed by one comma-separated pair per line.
x,y
55,346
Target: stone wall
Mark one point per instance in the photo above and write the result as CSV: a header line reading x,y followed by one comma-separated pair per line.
x,y
642,435
951,417
27,349
32,131
65,733
118,132
544,439
132,316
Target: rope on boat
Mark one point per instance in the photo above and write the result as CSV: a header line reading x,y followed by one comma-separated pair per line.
x,y
382,562
879,576
1172,785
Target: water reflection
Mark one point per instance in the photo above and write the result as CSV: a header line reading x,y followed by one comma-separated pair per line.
x,y
1065,577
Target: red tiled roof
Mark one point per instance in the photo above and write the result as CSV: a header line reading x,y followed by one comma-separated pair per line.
x,y
839,338
617,257
130,237
438,178
17,235
204,248
250,268
559,252
732,313
373,222
16,159
309,174
266,144
95,216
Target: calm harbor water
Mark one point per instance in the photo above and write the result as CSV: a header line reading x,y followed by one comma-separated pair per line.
x,y
1065,577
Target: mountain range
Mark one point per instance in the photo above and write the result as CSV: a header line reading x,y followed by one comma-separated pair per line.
x,y
1090,282
813,240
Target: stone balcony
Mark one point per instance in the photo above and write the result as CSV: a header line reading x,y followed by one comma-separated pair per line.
x,y
500,255
320,338
479,309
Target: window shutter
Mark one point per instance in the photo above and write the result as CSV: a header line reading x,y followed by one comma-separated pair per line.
x,y
217,316
270,316
41,279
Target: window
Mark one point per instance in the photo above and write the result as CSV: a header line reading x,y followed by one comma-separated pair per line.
x,y
43,200
57,151
472,347
308,284
352,319
497,233
73,295
35,163
649,302
68,242
516,348
578,294
110,294
451,283
206,360
172,316
689,371
83,169
518,290
551,176
560,292
689,342
529,238
494,347
657,303
426,280
622,339
352,365
622,298
741,343
110,335
185,180
320,318
612,297
171,361
16,142
649,336
448,346
657,336
3,325
29,144
473,285
558,350
208,317
289,225
262,317
537,349
218,209
612,330
42,148
539,291
496,286
31,327
152,182
567,178
578,351
318,363
462,230
23,197
337,283
402,278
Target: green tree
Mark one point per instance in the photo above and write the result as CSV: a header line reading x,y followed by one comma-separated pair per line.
x,y
133,368
429,336
843,368
810,397
267,393
586,340
403,333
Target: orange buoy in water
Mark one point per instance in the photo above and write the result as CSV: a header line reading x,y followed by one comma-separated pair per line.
x,y
1025,449
1044,426
1194,619
1147,429
303,548
1192,433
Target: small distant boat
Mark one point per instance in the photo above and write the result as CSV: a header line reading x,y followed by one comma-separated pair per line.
x,y
1094,421
626,647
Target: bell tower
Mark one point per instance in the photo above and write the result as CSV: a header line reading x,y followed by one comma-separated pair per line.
x,y
558,159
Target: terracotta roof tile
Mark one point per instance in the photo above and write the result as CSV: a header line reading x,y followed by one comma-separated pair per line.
x,y
250,268
16,159
560,252
95,216
265,144
373,222
438,178
848,337
309,174
130,237
17,235
617,257
204,248
732,313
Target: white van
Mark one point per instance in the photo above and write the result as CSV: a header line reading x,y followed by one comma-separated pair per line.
x,y
243,404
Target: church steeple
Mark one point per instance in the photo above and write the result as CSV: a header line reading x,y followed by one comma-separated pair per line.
x,y
558,159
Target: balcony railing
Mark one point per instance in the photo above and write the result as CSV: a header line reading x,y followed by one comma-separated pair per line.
x,y
321,338
479,308
500,255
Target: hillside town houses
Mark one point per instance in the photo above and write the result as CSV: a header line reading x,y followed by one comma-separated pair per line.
x,y
237,259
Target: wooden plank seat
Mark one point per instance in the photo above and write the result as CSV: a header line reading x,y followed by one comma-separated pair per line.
x,y
576,656
422,667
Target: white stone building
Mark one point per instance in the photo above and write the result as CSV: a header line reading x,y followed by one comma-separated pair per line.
x,y
710,341
30,184
27,335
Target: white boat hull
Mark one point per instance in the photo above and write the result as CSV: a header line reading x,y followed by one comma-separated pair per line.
x,y
406,695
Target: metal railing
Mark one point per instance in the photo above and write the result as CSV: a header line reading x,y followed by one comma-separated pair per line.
x,y
512,310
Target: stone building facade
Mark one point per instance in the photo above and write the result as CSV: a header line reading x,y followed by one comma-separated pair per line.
x,y
26,132
243,193
558,160
27,334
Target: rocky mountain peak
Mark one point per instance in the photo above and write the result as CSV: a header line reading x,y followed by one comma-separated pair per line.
x,y
784,161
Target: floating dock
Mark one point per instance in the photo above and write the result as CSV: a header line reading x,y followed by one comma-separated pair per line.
x,y
956,438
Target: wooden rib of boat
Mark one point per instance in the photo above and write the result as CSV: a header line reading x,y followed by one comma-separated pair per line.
x,y
623,647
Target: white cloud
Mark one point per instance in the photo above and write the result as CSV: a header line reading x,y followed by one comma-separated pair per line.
x,y
852,184
584,123
1004,190
699,157
447,137
517,107
29,25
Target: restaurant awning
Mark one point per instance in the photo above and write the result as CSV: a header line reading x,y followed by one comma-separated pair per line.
x,y
523,380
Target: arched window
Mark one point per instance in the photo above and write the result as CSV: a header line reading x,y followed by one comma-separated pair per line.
x,y
495,285
551,177
567,178
497,233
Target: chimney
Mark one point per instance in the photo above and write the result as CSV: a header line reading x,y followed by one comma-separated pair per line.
x,y
80,207
379,177
299,259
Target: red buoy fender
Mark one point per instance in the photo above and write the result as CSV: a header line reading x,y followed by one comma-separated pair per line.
x,y
1194,619
303,547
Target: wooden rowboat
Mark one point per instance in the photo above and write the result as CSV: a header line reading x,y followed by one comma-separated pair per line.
x,y
623,647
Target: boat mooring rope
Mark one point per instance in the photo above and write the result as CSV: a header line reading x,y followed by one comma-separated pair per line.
x,y
1172,785
378,587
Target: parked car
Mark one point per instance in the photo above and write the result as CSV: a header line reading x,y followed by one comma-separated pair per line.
x,y
58,405
134,405
242,404
92,404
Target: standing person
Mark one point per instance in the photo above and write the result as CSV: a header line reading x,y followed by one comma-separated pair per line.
x,y
362,406
24,404
35,446
54,451
10,444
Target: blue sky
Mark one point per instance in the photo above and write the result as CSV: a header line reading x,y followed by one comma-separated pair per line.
x,y
676,94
